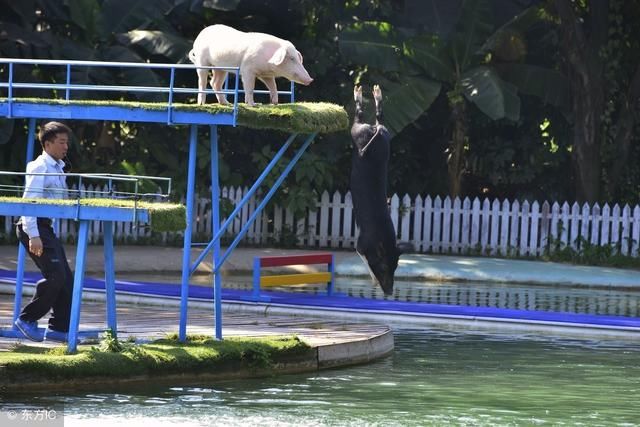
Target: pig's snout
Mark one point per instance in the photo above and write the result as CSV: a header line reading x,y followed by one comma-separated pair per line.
x,y
305,81
301,76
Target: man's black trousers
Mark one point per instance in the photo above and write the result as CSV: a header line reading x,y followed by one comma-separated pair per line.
x,y
55,289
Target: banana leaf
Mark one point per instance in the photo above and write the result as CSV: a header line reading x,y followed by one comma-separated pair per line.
x,y
492,95
551,86
171,46
408,100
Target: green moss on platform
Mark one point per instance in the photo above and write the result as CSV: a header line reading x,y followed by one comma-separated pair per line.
x,y
163,216
199,355
300,117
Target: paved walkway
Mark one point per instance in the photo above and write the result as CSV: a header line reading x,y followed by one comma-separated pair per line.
x,y
155,260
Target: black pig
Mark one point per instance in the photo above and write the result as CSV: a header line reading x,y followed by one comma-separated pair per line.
x,y
369,163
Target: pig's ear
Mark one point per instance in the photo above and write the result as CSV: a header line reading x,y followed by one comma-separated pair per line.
x,y
299,56
278,56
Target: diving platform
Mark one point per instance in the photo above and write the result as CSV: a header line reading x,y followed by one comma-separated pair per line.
x,y
71,93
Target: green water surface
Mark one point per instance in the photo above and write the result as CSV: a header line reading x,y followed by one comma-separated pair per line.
x,y
433,378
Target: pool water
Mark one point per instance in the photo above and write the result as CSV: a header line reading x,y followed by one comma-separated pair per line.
x,y
434,377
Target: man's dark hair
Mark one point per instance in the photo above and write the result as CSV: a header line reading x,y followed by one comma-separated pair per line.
x,y
49,130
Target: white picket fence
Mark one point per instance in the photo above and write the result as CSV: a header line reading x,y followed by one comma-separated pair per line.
x,y
432,225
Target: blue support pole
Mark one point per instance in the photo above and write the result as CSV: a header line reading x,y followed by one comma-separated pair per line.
x,y
236,101
67,93
186,253
170,103
76,300
109,277
10,94
22,252
215,217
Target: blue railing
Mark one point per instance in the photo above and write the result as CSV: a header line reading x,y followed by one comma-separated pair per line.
x,y
14,85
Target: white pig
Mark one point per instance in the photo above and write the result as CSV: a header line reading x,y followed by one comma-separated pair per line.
x,y
257,54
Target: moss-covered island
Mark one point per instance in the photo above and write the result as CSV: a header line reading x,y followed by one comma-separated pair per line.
x,y
33,369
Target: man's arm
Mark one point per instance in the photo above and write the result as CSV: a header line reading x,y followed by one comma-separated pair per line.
x,y
33,189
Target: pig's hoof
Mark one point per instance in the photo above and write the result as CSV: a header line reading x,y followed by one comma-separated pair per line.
x,y
357,93
377,93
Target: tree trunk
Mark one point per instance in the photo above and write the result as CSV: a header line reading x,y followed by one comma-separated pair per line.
x,y
455,160
625,126
586,142
586,76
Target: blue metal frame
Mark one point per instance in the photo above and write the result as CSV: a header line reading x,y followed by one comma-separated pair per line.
x,y
76,301
22,252
66,109
215,218
85,216
110,277
264,201
186,254
243,202
69,109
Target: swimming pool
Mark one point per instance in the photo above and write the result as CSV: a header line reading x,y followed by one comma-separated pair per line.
x,y
434,377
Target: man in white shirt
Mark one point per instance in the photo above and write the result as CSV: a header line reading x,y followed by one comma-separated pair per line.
x,y
54,291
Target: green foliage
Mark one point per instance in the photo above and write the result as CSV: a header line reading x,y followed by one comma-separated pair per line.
x,y
589,254
110,343
312,172
418,51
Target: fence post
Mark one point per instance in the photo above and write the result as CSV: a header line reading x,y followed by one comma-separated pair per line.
x,y
504,227
484,232
533,236
626,230
475,223
437,224
428,224
455,226
336,209
348,221
635,236
604,239
515,226
615,228
524,229
446,225
495,226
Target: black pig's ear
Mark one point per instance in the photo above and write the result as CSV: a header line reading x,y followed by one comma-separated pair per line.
x,y
405,248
